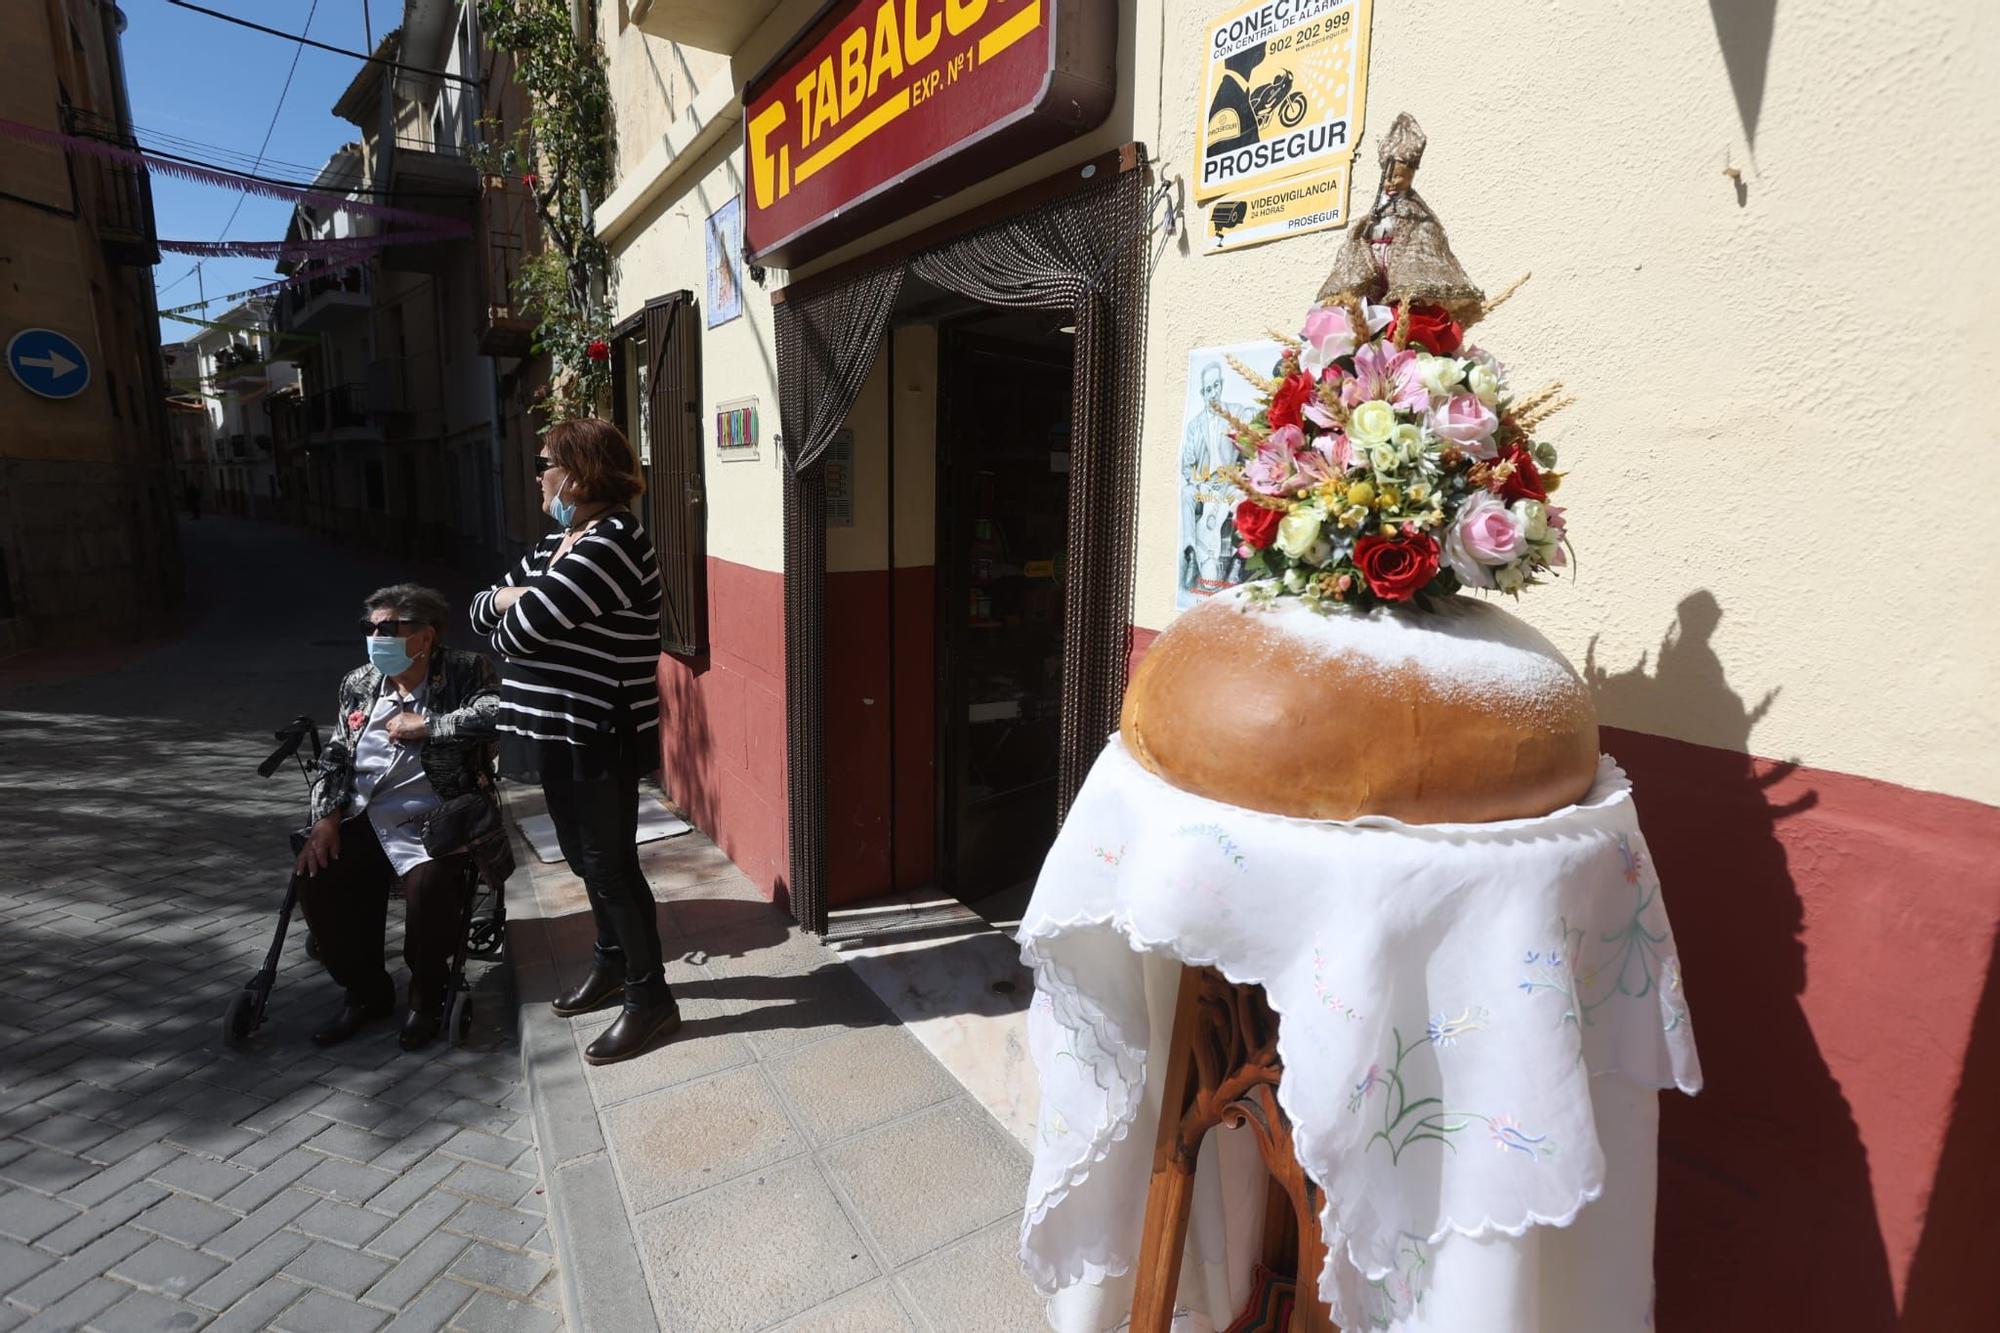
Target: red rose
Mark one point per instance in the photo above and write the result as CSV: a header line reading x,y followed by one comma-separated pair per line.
x,y
1256,524
1397,568
1525,481
1289,401
1429,327
355,719
599,350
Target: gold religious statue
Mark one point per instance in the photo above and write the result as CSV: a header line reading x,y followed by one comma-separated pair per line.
x,y
1399,251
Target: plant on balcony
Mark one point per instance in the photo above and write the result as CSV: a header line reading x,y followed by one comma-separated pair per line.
x,y
563,157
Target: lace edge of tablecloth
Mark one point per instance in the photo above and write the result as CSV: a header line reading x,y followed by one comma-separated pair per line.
x,y
1102,1262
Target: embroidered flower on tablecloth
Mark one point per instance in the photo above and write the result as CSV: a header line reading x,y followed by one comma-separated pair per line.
x,y
1444,1032
1219,836
1508,1136
1324,992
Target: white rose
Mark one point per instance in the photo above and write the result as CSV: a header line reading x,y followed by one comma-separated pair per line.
x,y
1298,530
1485,385
1385,457
1440,374
1409,440
1321,552
1509,578
1534,516
1295,580
1371,423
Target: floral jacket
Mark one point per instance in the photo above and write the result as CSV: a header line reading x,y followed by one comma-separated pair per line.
x,y
456,755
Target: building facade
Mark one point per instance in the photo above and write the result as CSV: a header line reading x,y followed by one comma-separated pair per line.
x,y
887,658
88,547
241,378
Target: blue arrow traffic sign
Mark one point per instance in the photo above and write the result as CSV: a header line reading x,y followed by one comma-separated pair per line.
x,y
48,363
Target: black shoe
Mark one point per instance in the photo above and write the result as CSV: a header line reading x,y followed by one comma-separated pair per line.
x,y
605,983
635,1029
350,1020
420,1028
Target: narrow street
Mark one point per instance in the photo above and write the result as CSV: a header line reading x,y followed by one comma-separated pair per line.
x,y
153,1178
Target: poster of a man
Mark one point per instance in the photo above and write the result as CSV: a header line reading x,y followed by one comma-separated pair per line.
x,y
1207,545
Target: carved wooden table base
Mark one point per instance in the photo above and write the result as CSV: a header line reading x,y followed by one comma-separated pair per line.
x,y
1222,1069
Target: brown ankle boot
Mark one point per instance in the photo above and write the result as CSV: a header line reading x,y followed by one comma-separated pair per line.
x,y
605,983
637,1027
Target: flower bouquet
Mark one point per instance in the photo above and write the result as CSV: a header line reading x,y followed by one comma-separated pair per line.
x,y
1391,463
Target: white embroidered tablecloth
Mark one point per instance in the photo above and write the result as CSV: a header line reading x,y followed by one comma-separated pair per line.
x,y
1474,1021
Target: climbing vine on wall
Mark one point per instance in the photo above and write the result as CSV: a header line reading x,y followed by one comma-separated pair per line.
x,y
562,156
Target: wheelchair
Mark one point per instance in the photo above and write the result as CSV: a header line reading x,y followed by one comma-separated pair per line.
x,y
483,936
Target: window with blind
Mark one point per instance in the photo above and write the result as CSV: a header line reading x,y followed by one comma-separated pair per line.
x,y
657,397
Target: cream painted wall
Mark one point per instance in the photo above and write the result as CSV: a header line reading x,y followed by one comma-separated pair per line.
x,y
1777,414
1752,372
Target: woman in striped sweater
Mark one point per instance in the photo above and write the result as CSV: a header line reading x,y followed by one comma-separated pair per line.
x,y
578,625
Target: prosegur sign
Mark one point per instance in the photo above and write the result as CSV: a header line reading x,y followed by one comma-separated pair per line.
x,y
1285,86
884,106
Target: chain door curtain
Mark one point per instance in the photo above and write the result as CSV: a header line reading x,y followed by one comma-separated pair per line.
x,y
1083,253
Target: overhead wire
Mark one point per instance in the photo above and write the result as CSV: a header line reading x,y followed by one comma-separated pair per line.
x,y
272,127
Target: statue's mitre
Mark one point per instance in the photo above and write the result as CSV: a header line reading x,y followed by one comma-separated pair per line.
x,y
1403,143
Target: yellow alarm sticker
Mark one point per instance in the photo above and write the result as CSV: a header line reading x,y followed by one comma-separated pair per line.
x,y
1309,204
1283,92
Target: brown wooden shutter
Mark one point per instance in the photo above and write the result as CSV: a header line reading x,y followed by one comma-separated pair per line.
x,y
677,508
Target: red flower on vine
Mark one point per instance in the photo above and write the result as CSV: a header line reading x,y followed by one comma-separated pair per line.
x,y
599,350
531,180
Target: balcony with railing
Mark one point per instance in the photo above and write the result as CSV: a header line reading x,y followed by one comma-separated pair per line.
x,y
338,413
326,300
117,197
509,233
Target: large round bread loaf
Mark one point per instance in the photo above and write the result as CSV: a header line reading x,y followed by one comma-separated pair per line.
x,y
1460,715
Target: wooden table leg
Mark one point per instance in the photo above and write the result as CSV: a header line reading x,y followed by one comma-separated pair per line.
x,y
1171,1194
1222,1068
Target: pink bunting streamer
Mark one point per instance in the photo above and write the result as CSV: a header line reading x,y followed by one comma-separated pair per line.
x,y
348,248
78,143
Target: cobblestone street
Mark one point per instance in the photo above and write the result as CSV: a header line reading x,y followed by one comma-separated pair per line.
x,y
150,1178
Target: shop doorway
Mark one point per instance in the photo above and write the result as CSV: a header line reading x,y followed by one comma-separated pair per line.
x,y
1004,381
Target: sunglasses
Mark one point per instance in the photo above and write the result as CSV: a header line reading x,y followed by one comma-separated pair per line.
x,y
379,629
543,463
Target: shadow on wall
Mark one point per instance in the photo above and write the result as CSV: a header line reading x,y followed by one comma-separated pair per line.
x,y
1950,1284
1744,29
1767,1215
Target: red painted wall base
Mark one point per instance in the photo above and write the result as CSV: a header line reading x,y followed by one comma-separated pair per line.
x,y
1841,1170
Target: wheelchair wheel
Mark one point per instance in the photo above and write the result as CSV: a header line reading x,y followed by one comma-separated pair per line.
x,y
485,937
458,1017
238,1019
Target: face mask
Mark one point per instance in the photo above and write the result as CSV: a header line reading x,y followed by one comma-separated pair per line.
x,y
562,511
387,655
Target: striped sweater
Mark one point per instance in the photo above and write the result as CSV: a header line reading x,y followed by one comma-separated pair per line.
x,y
583,644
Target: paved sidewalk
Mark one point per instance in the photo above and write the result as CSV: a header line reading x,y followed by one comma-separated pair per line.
x,y
148,1177
792,1160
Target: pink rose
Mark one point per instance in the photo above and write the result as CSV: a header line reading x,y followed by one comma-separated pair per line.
x,y
1467,422
1486,534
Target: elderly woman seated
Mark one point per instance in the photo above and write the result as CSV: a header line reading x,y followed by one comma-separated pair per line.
x,y
414,731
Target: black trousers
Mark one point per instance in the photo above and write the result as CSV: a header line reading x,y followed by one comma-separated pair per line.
x,y
347,906
593,797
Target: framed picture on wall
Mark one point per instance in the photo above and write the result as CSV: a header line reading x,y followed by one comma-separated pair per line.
x,y
725,262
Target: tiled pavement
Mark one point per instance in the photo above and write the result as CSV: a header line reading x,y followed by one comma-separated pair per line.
x,y
793,1160
149,1178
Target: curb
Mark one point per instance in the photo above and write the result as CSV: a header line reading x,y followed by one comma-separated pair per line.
x,y
598,1269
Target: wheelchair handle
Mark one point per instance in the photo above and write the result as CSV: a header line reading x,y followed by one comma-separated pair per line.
x,y
290,736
